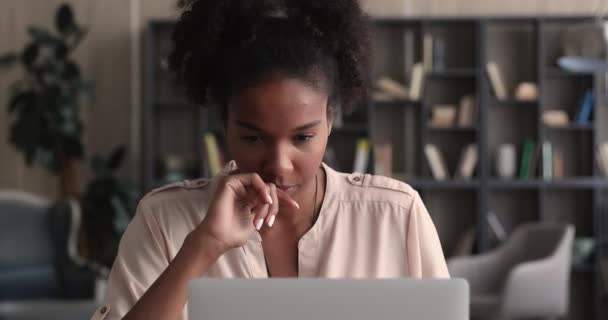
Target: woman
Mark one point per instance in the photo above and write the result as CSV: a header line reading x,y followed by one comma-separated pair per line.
x,y
277,70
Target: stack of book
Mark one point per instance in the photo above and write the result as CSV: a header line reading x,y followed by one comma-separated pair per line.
x,y
451,115
544,160
465,167
388,89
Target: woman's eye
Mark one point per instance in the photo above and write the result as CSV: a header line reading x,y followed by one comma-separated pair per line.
x,y
251,138
302,138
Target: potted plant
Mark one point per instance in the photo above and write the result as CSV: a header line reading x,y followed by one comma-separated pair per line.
x,y
46,127
44,105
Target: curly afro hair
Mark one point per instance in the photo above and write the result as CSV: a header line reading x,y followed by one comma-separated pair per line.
x,y
223,46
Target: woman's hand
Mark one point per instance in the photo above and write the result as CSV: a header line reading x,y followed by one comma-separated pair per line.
x,y
241,204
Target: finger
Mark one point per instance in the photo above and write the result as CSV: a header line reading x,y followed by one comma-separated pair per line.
x,y
285,198
260,186
274,207
260,213
242,184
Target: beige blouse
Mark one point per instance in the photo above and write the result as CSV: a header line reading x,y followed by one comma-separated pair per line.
x,y
368,226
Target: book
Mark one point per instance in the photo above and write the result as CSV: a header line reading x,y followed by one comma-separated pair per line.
x,y
465,244
409,49
602,159
547,155
496,80
496,226
427,47
383,156
526,157
443,115
338,116
213,154
417,82
392,88
467,110
361,156
533,170
583,115
468,162
558,163
436,162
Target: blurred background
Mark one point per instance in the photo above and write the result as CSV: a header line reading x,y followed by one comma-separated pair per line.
x,y
495,111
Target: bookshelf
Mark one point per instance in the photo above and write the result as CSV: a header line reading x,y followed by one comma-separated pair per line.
x,y
525,48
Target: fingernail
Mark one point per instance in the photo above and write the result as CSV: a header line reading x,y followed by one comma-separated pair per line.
x,y
269,199
271,221
295,204
259,224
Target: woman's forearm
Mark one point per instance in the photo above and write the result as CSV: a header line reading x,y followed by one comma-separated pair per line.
x,y
166,298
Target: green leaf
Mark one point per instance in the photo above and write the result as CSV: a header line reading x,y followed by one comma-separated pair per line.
x,y
73,147
24,99
64,19
116,157
70,71
61,51
42,36
8,59
98,165
79,35
29,55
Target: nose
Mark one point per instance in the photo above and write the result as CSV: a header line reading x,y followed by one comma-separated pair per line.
x,y
278,163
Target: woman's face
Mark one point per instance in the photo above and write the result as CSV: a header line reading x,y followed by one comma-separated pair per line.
x,y
279,129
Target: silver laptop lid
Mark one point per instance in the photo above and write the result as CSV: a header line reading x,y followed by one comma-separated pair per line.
x,y
336,299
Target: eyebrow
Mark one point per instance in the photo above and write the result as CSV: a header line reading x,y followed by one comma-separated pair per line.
x,y
300,128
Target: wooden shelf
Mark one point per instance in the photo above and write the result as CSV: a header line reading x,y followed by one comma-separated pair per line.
x,y
514,102
397,103
572,183
558,183
571,127
514,183
425,183
457,73
452,129
556,72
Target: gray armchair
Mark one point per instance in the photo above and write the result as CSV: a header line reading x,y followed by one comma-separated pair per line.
x,y
528,276
38,278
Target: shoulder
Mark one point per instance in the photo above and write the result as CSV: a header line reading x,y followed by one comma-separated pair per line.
x,y
187,195
359,187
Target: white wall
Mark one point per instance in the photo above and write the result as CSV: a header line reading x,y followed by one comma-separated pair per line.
x,y
482,7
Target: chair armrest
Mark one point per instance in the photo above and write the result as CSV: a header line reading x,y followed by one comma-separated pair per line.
x,y
539,287
485,272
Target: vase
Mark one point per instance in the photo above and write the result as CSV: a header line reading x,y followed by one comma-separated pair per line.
x,y
506,161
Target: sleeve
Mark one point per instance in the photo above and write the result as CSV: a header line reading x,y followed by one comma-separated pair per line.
x,y
424,252
142,257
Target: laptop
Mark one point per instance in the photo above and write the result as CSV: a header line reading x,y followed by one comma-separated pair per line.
x,y
335,299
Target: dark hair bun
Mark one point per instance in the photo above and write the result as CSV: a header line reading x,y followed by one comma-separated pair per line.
x,y
223,45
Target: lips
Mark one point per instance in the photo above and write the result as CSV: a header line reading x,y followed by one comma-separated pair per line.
x,y
287,189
